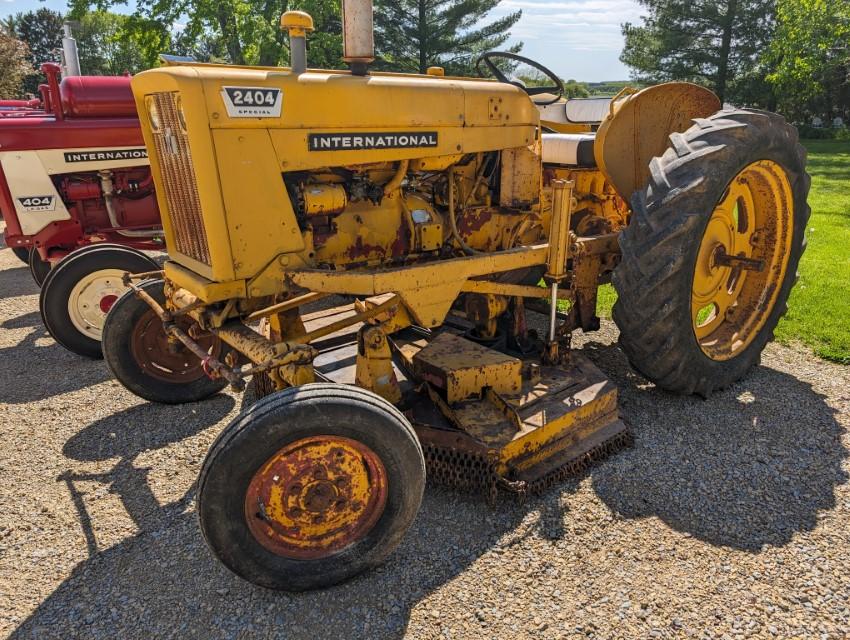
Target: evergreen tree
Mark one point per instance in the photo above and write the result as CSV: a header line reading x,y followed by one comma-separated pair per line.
x,y
42,31
412,35
716,43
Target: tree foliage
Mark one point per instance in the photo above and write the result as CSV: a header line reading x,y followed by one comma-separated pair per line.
x,y
810,57
15,67
111,44
42,31
412,35
235,31
716,43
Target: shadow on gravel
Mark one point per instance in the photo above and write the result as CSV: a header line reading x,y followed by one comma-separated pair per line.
x,y
752,466
33,373
749,467
17,282
125,435
164,583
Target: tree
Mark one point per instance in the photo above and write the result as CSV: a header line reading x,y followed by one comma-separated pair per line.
x,y
42,31
811,58
412,35
16,65
575,89
237,31
716,43
110,44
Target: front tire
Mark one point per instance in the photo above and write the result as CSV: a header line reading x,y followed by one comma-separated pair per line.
x,y
310,486
78,293
711,254
140,356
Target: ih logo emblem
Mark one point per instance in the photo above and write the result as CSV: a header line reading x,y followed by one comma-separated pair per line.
x,y
252,102
38,203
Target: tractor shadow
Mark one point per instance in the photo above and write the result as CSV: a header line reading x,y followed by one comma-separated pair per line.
x,y
36,368
740,470
751,466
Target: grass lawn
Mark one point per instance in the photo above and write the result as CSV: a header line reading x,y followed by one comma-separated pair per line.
x,y
819,307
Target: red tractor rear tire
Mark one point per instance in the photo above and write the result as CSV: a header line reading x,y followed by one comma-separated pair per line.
x,y
39,269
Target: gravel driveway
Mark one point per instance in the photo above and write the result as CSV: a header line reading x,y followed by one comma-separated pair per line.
x,y
728,518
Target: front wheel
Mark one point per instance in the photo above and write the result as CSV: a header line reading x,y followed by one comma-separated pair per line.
x,y
78,293
711,254
143,358
310,486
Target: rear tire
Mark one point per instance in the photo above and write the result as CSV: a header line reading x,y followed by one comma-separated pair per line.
x,y
79,291
663,248
137,352
39,269
247,530
23,254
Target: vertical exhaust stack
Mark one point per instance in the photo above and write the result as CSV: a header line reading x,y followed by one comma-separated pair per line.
x,y
298,24
70,57
358,42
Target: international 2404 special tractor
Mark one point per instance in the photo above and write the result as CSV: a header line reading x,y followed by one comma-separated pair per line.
x,y
78,199
428,209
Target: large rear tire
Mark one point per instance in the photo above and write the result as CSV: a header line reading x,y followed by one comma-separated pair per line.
x,y
80,290
727,197
310,486
140,356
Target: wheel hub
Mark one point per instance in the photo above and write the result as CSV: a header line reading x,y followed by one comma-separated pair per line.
x,y
316,496
750,225
91,298
162,358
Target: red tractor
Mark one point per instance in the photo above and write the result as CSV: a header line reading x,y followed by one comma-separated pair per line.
x,y
77,198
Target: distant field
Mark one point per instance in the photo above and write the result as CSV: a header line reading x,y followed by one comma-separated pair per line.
x,y
819,307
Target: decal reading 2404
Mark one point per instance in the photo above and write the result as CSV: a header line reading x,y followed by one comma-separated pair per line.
x,y
345,141
38,203
252,102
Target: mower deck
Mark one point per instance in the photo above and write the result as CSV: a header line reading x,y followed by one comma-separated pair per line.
x,y
487,419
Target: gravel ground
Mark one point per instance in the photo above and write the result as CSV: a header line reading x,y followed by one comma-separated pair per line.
x,y
728,518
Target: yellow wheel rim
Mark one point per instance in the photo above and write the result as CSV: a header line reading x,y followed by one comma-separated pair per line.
x,y
742,260
316,496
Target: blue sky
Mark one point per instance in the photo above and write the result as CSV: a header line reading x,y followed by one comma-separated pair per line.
x,y
578,39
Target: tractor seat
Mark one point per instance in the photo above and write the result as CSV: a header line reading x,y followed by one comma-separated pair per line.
x,y
571,149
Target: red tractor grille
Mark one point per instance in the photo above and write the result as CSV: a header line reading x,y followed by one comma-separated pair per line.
x,y
181,187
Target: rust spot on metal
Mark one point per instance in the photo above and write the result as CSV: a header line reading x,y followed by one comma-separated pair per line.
x,y
316,496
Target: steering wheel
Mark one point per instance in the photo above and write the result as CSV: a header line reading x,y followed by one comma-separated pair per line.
x,y
557,88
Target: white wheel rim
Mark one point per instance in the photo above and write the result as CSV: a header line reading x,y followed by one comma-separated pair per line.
x,y
91,298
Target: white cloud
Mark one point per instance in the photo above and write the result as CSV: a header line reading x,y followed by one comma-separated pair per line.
x,y
576,38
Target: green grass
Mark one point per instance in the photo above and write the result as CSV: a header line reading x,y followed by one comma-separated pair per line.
x,y
819,306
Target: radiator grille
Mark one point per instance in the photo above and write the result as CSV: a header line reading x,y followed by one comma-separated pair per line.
x,y
181,187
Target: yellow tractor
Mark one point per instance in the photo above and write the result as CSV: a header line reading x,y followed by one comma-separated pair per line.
x,y
367,248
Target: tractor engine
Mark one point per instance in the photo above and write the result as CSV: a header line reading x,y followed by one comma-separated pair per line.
x,y
110,199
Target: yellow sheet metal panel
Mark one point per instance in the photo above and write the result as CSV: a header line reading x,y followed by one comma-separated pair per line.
x,y
184,82
463,368
521,176
201,287
260,220
293,145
